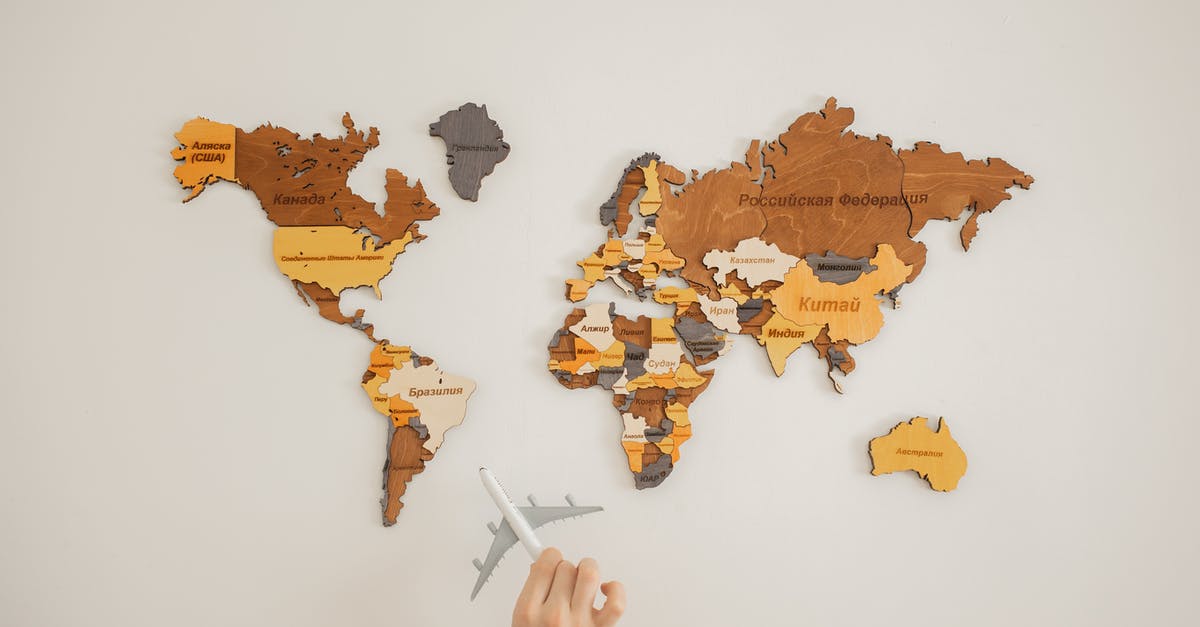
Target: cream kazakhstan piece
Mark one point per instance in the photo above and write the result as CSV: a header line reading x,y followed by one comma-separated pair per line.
x,y
518,523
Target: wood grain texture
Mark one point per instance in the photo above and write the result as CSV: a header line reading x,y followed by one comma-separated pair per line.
x,y
406,457
474,145
327,306
303,182
953,185
934,455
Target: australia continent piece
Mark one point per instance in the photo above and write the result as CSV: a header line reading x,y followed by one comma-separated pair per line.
x,y
933,455
328,240
474,145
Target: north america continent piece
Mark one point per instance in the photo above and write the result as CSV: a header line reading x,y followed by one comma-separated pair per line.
x,y
474,145
803,243
329,240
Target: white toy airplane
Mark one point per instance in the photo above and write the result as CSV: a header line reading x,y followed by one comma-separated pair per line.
x,y
518,523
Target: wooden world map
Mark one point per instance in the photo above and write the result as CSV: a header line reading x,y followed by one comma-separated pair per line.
x,y
802,244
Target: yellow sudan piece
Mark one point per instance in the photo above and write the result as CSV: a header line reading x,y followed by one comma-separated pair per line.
x,y
334,257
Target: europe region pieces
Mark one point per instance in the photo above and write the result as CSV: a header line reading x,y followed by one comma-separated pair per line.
x,y
328,239
799,244
423,402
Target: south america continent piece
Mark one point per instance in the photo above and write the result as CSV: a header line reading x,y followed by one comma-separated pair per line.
x,y
933,455
802,243
474,145
328,240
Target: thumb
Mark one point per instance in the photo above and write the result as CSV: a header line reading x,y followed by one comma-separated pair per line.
x,y
614,605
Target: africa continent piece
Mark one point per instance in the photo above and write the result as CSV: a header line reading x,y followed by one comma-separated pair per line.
x,y
803,243
933,455
328,240
473,147
644,364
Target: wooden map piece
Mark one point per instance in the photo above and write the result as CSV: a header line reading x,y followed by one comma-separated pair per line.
x,y
954,185
334,257
912,445
474,145
615,211
406,457
207,151
327,306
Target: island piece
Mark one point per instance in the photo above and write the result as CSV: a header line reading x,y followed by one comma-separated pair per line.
x,y
474,145
933,455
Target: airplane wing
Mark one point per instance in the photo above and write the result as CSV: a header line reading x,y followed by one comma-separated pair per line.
x,y
504,540
538,516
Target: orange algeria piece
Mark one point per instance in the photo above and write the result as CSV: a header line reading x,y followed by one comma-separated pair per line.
x,y
207,150
933,455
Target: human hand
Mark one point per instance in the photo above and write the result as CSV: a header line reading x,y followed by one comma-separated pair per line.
x,y
561,594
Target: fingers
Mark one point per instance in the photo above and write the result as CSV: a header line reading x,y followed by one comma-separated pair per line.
x,y
541,574
587,582
563,586
614,605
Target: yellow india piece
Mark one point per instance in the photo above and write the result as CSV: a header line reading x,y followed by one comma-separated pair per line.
x,y
782,337
334,257
933,455
207,150
850,310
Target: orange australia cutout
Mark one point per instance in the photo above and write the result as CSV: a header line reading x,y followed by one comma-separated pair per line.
x,y
933,455
207,150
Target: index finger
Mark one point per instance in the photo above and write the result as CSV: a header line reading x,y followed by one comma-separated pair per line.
x,y
541,574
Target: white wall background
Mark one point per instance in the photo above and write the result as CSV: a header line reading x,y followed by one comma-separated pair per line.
x,y
184,443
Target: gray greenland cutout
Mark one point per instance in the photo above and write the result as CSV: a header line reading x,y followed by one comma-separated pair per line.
x,y
474,145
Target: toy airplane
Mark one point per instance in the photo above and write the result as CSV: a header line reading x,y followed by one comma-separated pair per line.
x,y
518,523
